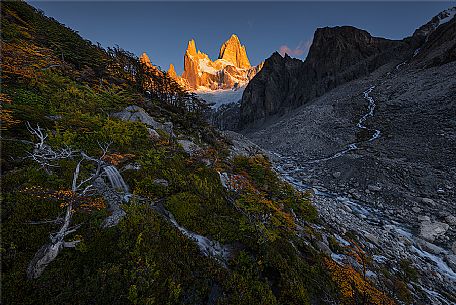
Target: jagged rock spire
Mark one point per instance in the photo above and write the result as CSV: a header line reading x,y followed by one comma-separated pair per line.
x,y
191,47
172,71
145,59
231,70
234,52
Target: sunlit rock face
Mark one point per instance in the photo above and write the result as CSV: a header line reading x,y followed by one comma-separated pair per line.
x,y
144,59
233,52
231,70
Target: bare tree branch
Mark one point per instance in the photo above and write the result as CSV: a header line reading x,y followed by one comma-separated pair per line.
x,y
43,154
47,157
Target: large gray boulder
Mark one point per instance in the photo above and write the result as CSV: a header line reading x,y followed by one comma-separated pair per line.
x,y
189,147
135,113
431,230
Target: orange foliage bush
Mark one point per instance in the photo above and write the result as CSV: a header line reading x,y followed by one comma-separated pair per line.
x,y
25,60
116,159
65,196
6,119
354,288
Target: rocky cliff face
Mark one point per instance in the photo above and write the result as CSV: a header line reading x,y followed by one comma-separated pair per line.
x,y
144,59
443,17
232,51
231,70
271,89
337,55
439,40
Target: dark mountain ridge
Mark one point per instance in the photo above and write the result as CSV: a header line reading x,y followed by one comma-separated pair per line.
x,y
337,55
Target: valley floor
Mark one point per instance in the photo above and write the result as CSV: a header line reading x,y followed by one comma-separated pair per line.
x,y
397,192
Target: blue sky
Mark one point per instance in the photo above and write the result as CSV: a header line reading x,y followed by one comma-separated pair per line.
x,y
162,29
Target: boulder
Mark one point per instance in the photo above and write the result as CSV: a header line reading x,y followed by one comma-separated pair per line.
x,y
451,220
168,128
189,147
431,230
428,201
153,134
135,113
451,261
416,209
374,188
323,248
162,182
424,218
429,247
372,238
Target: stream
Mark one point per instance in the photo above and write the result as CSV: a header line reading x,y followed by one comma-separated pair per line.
x,y
353,146
389,240
118,192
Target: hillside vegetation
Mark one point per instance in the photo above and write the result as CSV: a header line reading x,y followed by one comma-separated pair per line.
x,y
59,94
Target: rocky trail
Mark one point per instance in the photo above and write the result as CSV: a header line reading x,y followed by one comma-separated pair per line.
x,y
387,237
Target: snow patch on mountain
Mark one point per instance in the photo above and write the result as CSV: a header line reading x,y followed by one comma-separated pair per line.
x,y
217,98
447,15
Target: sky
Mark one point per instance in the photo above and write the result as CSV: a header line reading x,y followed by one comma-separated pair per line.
x,y
162,29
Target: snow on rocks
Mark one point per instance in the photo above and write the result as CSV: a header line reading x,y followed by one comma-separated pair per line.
x,y
217,98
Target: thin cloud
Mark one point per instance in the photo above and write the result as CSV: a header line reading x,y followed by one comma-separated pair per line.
x,y
302,47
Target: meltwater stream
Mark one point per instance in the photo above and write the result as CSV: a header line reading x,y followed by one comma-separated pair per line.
x,y
353,146
369,219
115,178
121,193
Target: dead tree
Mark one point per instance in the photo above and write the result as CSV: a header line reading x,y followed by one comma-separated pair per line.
x,y
47,157
43,154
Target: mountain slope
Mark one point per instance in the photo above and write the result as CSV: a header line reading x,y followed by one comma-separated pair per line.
x,y
439,45
116,191
378,152
337,55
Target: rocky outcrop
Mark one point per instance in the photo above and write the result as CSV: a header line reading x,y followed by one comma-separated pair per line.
x,y
135,113
439,36
273,89
233,52
337,55
189,147
231,70
144,59
425,30
171,71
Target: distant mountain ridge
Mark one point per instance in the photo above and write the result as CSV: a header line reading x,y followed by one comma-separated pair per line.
x,y
231,70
